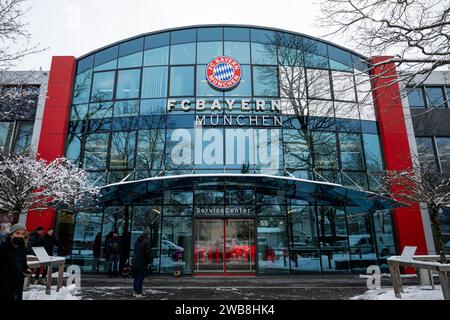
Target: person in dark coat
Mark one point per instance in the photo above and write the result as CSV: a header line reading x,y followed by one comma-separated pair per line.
x,y
96,249
49,241
113,249
141,262
36,240
13,263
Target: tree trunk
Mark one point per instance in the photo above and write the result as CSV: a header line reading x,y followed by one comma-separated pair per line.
x,y
435,220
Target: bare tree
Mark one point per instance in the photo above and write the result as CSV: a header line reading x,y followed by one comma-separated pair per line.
x,y
15,40
423,185
414,32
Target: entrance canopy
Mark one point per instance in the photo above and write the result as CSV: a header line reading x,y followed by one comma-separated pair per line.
x,y
322,193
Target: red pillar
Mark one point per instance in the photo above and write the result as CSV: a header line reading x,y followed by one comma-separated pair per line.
x,y
54,125
386,93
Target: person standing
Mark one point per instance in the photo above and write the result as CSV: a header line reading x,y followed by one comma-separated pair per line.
x,y
113,251
49,241
13,263
142,260
36,240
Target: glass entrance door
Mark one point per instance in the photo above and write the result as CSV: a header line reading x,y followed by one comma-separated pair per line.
x,y
224,246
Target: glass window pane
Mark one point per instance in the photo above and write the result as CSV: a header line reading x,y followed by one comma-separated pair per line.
x,y
122,150
209,34
128,84
100,110
325,155
157,40
182,81
264,53
182,53
238,50
318,84
384,231
372,151
82,87
425,151
203,87
351,151
296,149
131,61
236,34
157,56
79,112
443,146
96,151
154,82
106,56
265,81
126,108
150,150
435,96
183,36
262,36
85,64
176,246
131,47
103,86
415,98
244,88
74,148
23,137
315,61
304,244
272,245
153,106
107,66
86,227
340,56
343,86
206,51
333,239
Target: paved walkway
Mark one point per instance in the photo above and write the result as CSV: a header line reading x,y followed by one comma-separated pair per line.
x,y
292,287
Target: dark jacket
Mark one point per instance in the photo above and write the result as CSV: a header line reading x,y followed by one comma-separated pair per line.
x,y
113,246
35,240
49,243
142,254
96,247
13,262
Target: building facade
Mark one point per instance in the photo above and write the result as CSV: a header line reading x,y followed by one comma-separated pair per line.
x,y
238,149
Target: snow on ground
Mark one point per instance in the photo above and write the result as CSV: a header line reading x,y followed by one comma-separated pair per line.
x,y
410,293
37,292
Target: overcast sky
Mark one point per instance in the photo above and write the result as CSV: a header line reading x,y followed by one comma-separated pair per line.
x,y
68,27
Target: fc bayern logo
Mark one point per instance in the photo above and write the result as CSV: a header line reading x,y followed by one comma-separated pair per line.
x,y
223,73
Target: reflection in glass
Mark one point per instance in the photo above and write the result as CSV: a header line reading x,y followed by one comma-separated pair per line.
x,y
443,148
273,255
325,155
176,245
128,84
122,150
103,86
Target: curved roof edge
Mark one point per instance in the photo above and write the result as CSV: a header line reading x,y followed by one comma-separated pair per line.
x,y
218,25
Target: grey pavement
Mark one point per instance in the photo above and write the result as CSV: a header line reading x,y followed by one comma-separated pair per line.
x,y
270,287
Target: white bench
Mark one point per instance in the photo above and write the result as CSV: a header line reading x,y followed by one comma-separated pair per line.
x,y
42,259
419,262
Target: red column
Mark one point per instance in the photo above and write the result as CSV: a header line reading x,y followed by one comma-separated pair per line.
x,y
386,93
54,125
